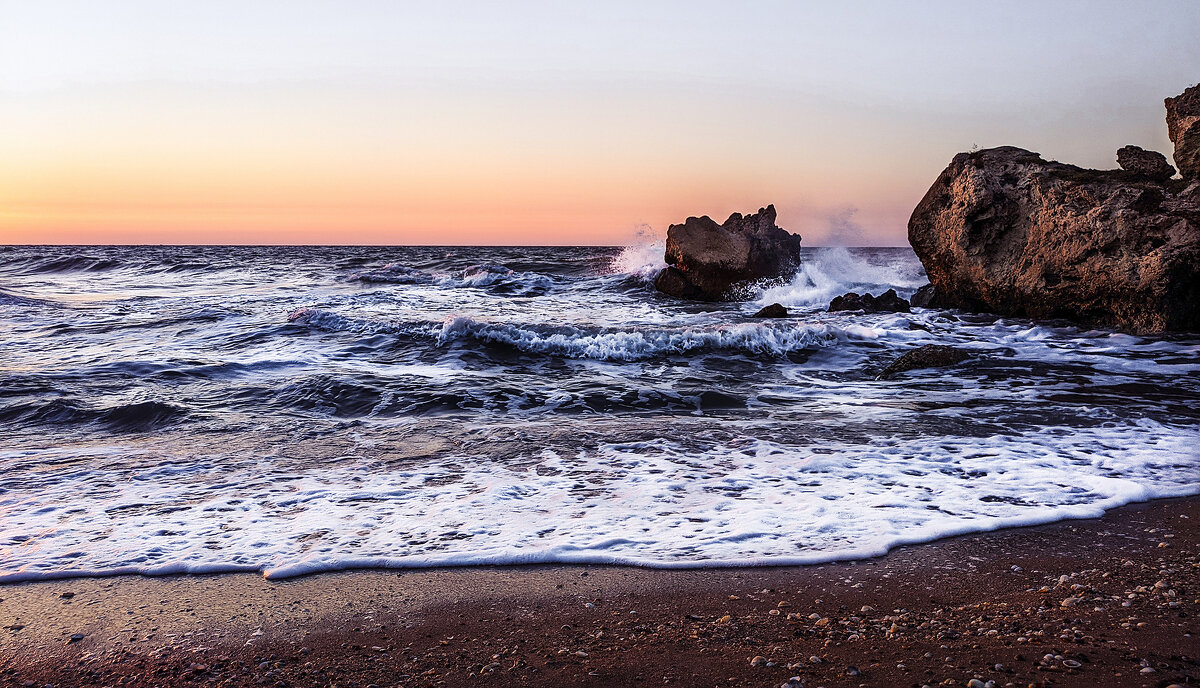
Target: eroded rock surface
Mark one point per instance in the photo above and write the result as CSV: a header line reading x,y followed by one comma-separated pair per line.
x,y
1004,231
1150,164
1183,126
706,260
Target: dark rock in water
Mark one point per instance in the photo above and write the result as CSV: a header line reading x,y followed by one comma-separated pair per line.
x,y
887,302
1151,164
1183,126
1004,231
775,310
922,297
670,280
928,356
706,259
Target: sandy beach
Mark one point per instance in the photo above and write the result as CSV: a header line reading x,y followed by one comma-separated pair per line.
x,y
1109,601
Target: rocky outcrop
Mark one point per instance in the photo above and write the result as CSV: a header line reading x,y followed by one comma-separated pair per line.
x,y
887,302
706,260
775,310
1004,231
922,297
1150,164
928,356
1183,126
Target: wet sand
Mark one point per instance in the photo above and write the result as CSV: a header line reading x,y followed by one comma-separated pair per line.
x,y
1104,602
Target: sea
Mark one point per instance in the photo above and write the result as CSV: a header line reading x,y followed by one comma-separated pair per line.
x,y
292,410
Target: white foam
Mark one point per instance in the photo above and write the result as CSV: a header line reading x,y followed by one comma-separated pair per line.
x,y
610,344
831,272
637,344
658,504
644,257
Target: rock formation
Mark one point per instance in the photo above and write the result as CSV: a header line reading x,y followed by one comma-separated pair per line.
x,y
889,302
928,356
706,260
775,310
1183,126
1004,231
1150,164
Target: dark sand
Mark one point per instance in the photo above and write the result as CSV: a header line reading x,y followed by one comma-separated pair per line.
x,y
1105,602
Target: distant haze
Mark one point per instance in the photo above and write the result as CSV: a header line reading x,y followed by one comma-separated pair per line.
x,y
548,122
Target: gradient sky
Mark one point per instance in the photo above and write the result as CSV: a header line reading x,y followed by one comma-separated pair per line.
x,y
548,122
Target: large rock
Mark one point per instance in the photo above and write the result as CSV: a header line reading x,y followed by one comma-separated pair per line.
x,y
1183,126
706,260
1004,231
1150,164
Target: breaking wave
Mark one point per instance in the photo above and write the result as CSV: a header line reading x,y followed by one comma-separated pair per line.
x,y
606,344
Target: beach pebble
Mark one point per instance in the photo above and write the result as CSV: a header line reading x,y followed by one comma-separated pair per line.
x,y
75,637
793,682
758,661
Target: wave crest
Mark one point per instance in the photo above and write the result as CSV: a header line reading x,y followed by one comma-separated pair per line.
x,y
831,272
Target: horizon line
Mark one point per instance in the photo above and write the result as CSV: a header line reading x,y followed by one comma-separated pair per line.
x,y
166,245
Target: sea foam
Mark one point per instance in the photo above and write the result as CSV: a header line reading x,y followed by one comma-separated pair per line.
x,y
646,503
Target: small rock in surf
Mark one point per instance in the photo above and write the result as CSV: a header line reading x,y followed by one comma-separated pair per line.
x,y
887,302
928,356
775,310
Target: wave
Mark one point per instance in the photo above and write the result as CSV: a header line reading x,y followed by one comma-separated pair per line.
x,y
394,273
496,279
142,416
640,344
831,272
10,299
655,503
74,264
643,258
605,344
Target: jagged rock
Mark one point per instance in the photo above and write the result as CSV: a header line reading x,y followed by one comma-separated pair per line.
x,y
889,302
1003,230
928,356
1183,126
922,297
705,260
775,310
1151,164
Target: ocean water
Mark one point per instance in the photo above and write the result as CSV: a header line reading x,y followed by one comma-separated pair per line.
x,y
292,410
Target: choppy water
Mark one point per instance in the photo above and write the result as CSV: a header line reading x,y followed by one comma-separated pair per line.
x,y
289,410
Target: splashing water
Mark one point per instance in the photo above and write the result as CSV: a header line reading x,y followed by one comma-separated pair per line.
x,y
830,272
643,257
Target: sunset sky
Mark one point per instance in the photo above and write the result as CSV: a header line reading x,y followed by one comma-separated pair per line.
x,y
548,122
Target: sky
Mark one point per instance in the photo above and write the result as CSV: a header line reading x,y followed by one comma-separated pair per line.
x,y
479,122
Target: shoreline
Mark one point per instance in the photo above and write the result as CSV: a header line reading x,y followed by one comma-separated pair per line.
x,y
949,610
298,571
